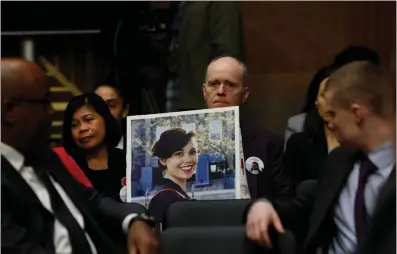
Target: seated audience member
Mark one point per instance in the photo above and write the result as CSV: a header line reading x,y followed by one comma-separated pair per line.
x,y
44,209
90,135
296,123
354,210
225,86
178,155
307,151
118,105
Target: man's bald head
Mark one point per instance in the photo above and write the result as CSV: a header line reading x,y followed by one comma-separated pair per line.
x,y
19,77
25,105
224,83
228,62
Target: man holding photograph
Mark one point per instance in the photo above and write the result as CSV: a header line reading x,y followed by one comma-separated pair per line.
x,y
224,86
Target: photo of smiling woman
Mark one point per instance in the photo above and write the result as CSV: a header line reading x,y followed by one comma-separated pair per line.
x,y
177,153
90,135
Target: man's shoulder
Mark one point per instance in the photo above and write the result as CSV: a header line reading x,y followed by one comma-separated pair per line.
x,y
262,135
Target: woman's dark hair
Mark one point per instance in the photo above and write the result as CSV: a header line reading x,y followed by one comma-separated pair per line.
x,y
171,141
114,85
312,91
112,128
314,125
355,53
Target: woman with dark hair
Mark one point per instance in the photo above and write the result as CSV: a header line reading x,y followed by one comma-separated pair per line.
x,y
90,135
177,154
306,151
111,93
295,123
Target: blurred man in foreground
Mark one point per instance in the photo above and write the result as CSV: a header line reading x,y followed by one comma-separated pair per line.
x,y
355,205
44,209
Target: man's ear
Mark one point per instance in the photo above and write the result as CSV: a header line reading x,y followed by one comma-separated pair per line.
x,y
125,111
204,92
246,94
8,111
163,162
359,112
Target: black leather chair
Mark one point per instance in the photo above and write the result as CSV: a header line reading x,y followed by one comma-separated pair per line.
x,y
206,213
208,240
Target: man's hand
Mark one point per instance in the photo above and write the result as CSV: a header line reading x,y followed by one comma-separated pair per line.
x,y
260,217
141,239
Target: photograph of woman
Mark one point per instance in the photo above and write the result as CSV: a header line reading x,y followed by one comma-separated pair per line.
x,y
177,153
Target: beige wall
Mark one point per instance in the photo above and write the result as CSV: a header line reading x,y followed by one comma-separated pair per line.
x,y
287,42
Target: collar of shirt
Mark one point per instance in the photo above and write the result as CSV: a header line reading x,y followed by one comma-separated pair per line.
x,y
121,143
383,157
15,158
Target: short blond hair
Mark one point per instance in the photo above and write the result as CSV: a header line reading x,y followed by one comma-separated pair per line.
x,y
362,82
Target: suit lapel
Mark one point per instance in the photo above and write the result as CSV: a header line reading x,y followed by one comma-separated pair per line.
x,y
385,208
337,168
55,167
388,191
16,185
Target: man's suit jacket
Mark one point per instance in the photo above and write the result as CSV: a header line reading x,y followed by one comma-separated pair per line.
x,y
208,29
272,182
322,229
27,227
304,158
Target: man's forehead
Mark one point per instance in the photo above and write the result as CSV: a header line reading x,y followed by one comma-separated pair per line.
x,y
225,72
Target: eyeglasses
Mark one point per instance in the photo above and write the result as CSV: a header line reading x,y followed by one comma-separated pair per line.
x,y
228,86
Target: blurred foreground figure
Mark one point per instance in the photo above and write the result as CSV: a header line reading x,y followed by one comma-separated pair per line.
x,y
354,210
44,209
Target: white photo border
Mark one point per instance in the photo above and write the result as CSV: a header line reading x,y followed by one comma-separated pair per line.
x,y
237,136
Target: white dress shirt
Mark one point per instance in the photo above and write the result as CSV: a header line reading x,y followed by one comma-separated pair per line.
x,y
61,236
345,240
120,145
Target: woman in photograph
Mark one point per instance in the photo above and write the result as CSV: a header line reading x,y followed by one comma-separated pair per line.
x,y
178,154
90,135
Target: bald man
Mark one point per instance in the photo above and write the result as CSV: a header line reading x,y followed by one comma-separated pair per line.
x,y
225,86
44,210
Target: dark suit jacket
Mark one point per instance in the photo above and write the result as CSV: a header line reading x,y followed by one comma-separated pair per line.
x,y
304,159
208,29
27,227
273,181
322,229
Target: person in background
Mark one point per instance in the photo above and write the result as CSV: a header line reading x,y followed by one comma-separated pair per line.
x,y
178,155
296,123
307,151
44,209
225,86
90,134
118,105
208,29
354,209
